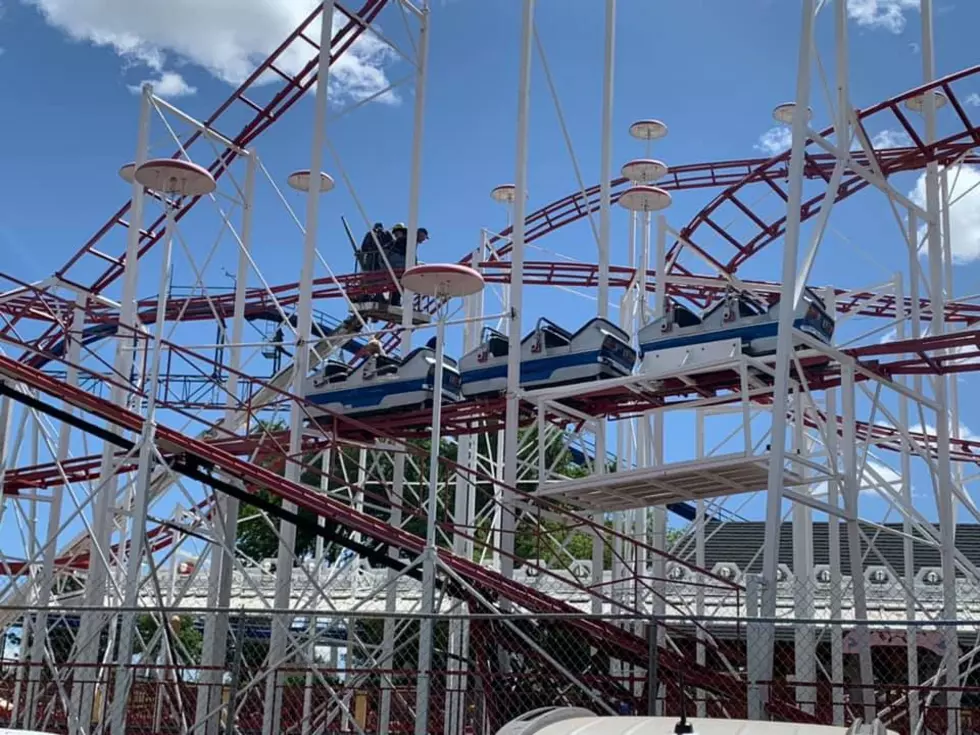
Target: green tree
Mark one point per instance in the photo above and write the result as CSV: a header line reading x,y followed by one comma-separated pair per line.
x,y
257,536
184,637
552,542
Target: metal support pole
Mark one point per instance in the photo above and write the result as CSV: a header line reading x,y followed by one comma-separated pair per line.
x,y
464,511
908,547
511,419
46,579
805,644
222,560
944,478
699,560
851,490
784,340
653,666
304,316
415,181
833,538
236,674
141,501
605,184
408,306
655,456
87,640
843,126
430,556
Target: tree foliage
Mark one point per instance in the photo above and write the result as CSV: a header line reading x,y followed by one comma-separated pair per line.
x,y
549,541
184,638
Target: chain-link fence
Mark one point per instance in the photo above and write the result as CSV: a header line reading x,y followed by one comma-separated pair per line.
x,y
313,672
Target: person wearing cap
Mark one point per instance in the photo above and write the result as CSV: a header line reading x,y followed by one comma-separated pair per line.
x,y
398,252
398,247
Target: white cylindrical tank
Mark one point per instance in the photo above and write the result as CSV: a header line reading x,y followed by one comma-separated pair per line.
x,y
534,721
572,721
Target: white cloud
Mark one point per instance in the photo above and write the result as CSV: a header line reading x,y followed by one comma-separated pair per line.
x,y
973,99
888,15
891,139
965,360
965,431
964,214
890,336
228,38
775,140
868,484
167,84
890,477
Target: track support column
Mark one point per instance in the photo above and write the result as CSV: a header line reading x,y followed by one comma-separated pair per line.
x,y
408,306
304,315
784,342
605,185
512,416
50,550
90,625
223,557
944,477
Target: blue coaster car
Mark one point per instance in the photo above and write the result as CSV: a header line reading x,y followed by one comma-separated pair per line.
x,y
382,384
550,356
737,316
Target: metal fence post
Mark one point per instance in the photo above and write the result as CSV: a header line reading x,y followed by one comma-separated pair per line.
x,y
653,664
236,673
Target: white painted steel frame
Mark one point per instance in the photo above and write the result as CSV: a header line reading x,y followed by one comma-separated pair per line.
x,y
304,334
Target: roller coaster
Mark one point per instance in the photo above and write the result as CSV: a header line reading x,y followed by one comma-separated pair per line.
x,y
529,457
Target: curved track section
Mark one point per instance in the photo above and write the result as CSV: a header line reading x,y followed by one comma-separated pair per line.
x,y
705,234
260,117
739,176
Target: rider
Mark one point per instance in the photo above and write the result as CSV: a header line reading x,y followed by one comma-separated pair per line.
x,y
397,249
369,255
397,252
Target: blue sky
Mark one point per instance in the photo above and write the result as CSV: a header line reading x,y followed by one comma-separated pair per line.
x,y
712,69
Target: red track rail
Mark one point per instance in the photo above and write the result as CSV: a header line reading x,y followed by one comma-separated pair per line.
x,y
262,117
536,273
730,174
486,414
704,229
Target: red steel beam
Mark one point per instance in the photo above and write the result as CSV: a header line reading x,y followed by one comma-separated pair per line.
x,y
256,124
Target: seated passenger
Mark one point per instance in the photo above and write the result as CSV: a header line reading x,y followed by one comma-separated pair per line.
x,y
373,349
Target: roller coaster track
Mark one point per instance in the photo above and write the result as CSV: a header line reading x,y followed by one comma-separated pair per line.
x,y
259,302
738,176
260,118
199,460
946,354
